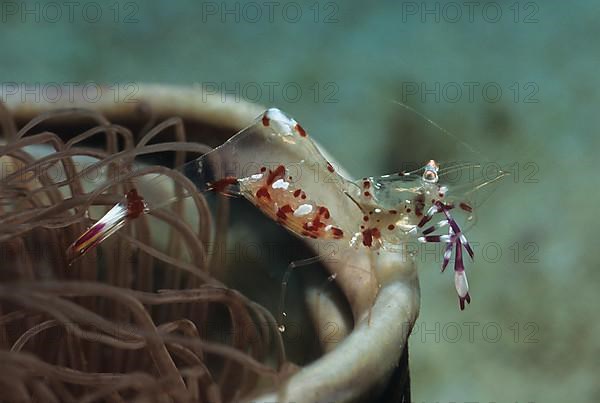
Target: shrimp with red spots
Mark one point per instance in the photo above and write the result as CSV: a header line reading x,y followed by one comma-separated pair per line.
x,y
275,165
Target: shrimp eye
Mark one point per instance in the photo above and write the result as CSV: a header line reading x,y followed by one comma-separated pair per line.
x,y
431,172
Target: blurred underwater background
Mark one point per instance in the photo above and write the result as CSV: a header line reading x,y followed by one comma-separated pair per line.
x,y
516,80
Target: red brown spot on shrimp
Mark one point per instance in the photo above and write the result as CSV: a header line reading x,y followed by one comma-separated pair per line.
x,y
391,227
283,211
324,212
369,234
263,192
317,224
263,169
135,204
222,184
300,130
367,194
419,205
393,212
278,173
330,168
367,237
297,192
303,196
366,184
337,232
313,226
265,120
464,206
366,218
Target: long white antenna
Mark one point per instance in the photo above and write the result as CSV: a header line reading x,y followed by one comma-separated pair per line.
x,y
440,128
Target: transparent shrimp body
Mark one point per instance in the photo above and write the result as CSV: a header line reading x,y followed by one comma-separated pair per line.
x,y
280,170
275,165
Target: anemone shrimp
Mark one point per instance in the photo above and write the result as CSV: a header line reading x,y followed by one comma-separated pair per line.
x,y
275,165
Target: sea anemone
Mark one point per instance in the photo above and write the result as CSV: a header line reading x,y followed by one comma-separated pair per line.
x,y
128,320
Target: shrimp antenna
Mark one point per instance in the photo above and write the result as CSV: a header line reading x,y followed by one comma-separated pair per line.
x,y
437,126
502,172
